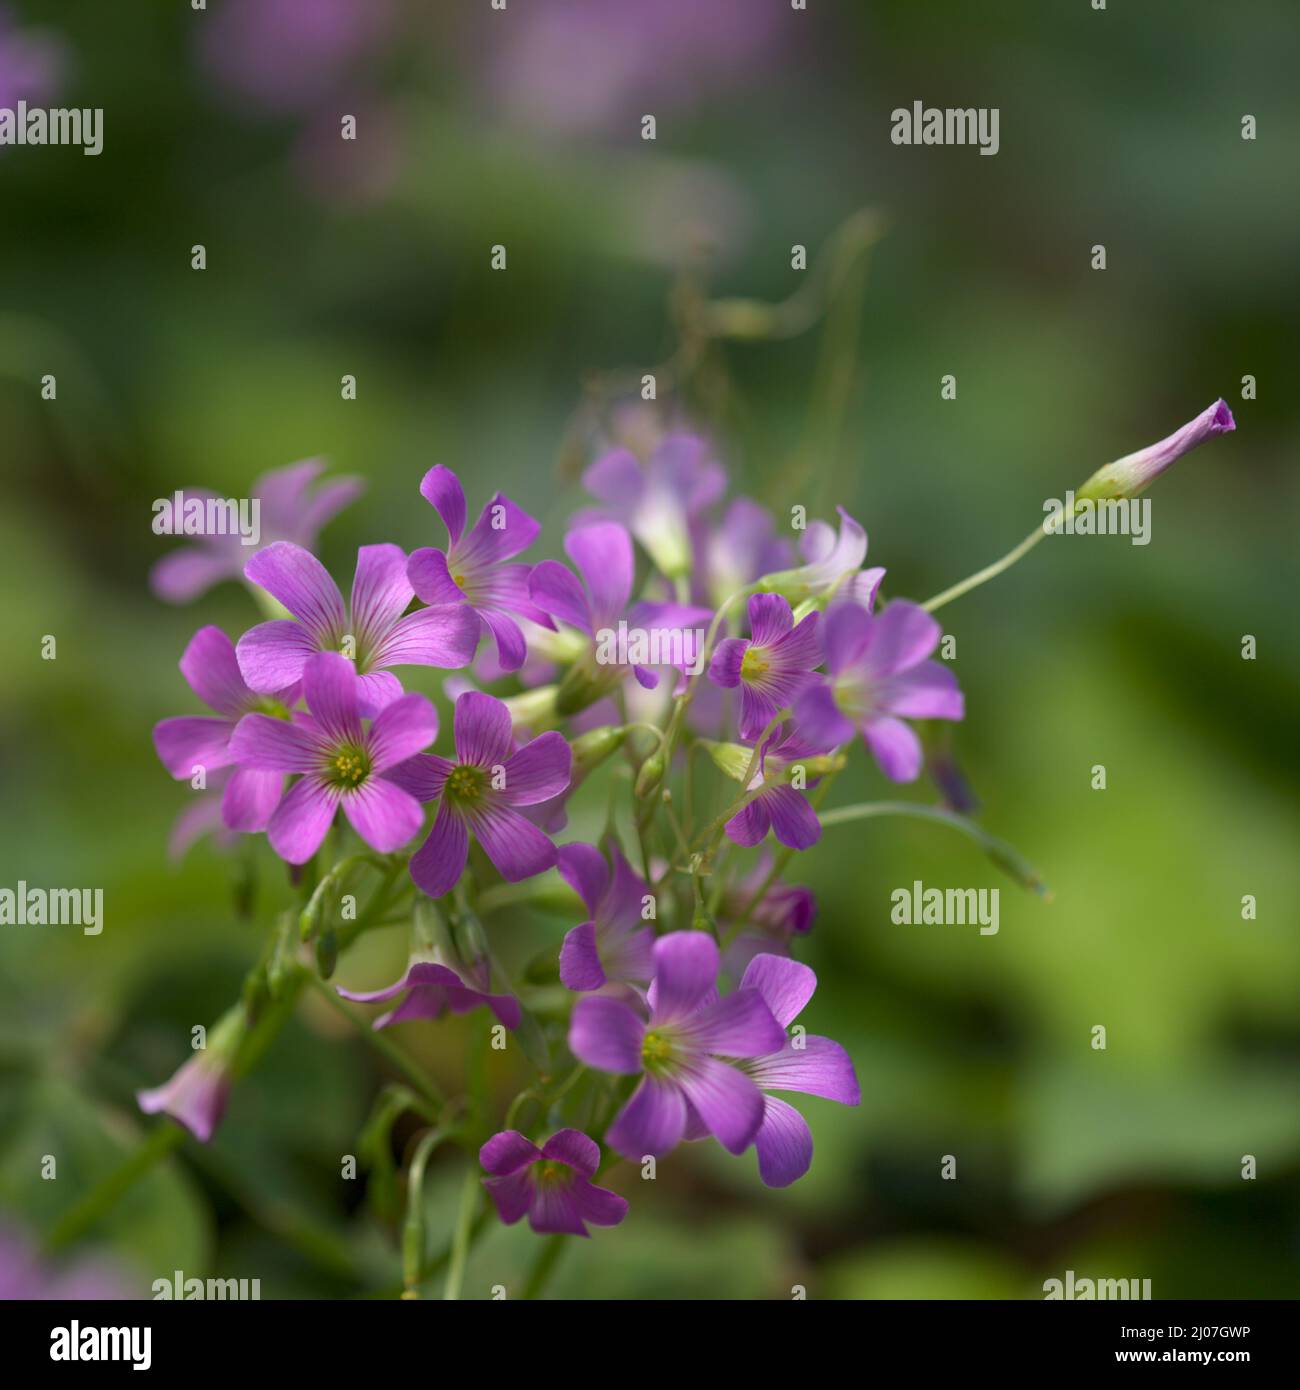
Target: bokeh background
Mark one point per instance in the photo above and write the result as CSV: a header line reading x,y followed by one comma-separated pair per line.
x,y
522,128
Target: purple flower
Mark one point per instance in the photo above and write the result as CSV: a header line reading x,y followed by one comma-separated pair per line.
x,y
551,1185
196,1094
783,912
26,1276
32,63
685,1085
832,565
879,676
602,552
342,762
473,569
374,632
743,547
1134,473
778,807
290,55
657,503
615,945
480,791
811,1065
185,744
289,512
433,988
771,666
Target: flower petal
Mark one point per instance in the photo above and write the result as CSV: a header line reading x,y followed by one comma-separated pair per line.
x,y
401,730
250,798
820,1067
748,826
516,847
329,684
770,618
794,822
557,592
182,575
445,636
430,578
302,584
603,554
482,730
302,818
895,748
820,720
272,655
384,815
902,635
584,869
274,745
424,775
686,970
598,1205
538,771
580,967
724,668
512,649
441,488
606,1034
440,860
573,1147
785,985
502,530
652,1122
728,1102
193,741
784,1144
507,1153
845,634
927,691
739,1025
380,593
211,671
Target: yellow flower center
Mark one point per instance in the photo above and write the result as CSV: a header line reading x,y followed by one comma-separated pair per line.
x,y
350,766
754,664
465,783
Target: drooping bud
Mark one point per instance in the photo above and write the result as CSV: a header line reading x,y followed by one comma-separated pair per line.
x,y
196,1095
1134,473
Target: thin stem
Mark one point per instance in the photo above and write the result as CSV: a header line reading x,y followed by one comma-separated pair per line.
x,y
996,568
1005,856
543,1266
413,1229
470,1195
79,1218
404,1063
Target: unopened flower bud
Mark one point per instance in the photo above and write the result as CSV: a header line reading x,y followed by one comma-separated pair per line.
x,y
1134,473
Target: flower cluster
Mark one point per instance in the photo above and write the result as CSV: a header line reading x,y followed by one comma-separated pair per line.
x,y
667,1012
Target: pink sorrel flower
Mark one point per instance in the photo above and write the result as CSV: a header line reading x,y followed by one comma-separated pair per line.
x,y
479,792
811,1065
778,807
374,633
433,988
615,945
771,666
189,742
343,763
879,675
474,570
197,1093
678,1052
551,1185
290,511
1134,473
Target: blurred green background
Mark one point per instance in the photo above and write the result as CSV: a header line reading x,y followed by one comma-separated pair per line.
x,y
1121,128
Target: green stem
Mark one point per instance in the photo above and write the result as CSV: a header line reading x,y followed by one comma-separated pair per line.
x,y
82,1215
470,1195
1005,856
404,1063
413,1229
996,568
544,1266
